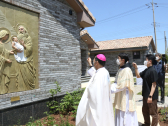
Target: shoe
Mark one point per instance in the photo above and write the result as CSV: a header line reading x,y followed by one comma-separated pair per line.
x,y
162,101
143,125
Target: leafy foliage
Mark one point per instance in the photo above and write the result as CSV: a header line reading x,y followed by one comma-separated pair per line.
x,y
70,102
166,55
49,122
32,123
53,105
164,113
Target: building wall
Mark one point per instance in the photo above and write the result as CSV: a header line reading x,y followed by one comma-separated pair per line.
x,y
59,52
111,57
84,56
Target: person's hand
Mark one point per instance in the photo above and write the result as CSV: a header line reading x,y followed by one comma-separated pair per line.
x,y
134,65
21,42
8,61
11,52
149,100
89,61
18,50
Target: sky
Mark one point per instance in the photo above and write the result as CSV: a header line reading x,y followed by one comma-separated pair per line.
x,y
118,19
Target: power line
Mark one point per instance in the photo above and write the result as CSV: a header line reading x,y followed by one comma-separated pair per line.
x,y
122,14
163,6
129,30
162,3
130,36
118,34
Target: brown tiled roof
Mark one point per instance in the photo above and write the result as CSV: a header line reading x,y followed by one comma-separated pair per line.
x,y
87,10
85,32
125,43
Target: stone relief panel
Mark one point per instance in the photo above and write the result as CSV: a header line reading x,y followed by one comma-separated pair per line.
x,y
18,49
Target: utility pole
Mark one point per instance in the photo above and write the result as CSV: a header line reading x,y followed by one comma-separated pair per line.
x,y
154,25
165,41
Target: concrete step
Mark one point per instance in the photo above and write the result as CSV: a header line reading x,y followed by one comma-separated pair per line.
x,y
85,79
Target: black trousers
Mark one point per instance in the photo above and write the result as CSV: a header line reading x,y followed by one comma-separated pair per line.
x,y
161,84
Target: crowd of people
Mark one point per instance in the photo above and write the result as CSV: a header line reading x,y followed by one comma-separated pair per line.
x,y
96,107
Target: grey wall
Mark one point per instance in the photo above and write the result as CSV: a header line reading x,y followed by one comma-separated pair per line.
x,y
59,51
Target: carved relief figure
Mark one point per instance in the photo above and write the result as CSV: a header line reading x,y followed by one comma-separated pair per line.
x,y
5,62
27,73
19,37
20,50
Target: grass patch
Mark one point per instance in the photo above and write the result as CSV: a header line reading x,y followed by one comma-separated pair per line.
x,y
112,82
166,91
134,80
166,80
140,93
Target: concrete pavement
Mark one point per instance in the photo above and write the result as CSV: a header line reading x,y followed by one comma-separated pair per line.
x,y
138,88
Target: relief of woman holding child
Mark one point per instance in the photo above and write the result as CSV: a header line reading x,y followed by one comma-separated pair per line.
x,y
22,52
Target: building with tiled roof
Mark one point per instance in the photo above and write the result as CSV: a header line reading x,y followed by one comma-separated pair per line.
x,y
128,43
136,48
58,53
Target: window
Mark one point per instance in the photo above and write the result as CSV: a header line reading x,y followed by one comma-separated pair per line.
x,y
136,55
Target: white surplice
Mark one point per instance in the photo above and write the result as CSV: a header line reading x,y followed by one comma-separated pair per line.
x,y
95,107
91,71
124,118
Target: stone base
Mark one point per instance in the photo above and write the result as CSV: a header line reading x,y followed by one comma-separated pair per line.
x,y
20,115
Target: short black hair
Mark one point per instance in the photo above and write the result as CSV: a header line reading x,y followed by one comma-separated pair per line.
x,y
158,54
151,57
124,56
100,61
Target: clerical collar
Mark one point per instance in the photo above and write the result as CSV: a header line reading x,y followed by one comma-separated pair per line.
x,y
123,66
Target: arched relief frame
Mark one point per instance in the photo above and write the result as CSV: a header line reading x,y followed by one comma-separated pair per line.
x,y
31,12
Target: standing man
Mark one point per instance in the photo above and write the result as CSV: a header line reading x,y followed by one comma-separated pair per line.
x,y
95,107
123,87
159,67
149,90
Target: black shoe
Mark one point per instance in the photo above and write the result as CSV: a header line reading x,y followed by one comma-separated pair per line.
x,y
162,101
143,125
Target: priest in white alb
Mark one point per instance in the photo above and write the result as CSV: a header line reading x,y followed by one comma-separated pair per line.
x,y
123,87
95,107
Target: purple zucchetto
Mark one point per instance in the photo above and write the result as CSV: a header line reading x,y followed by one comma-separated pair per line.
x,y
101,57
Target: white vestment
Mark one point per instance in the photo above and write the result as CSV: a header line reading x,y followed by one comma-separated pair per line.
x,y
20,55
124,118
95,107
141,68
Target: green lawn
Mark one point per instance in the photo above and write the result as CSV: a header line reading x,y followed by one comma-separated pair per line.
x,y
112,82
166,80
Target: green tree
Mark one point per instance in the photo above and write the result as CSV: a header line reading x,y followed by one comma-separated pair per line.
x,y
166,54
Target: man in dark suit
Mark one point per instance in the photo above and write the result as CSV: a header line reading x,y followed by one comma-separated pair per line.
x,y
159,66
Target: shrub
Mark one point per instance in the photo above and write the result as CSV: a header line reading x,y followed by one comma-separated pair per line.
x,y
53,105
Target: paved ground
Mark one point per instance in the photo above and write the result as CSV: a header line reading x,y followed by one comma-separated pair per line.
x,y
138,88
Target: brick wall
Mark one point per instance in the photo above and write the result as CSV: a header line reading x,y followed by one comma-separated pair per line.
x,y
84,56
59,51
